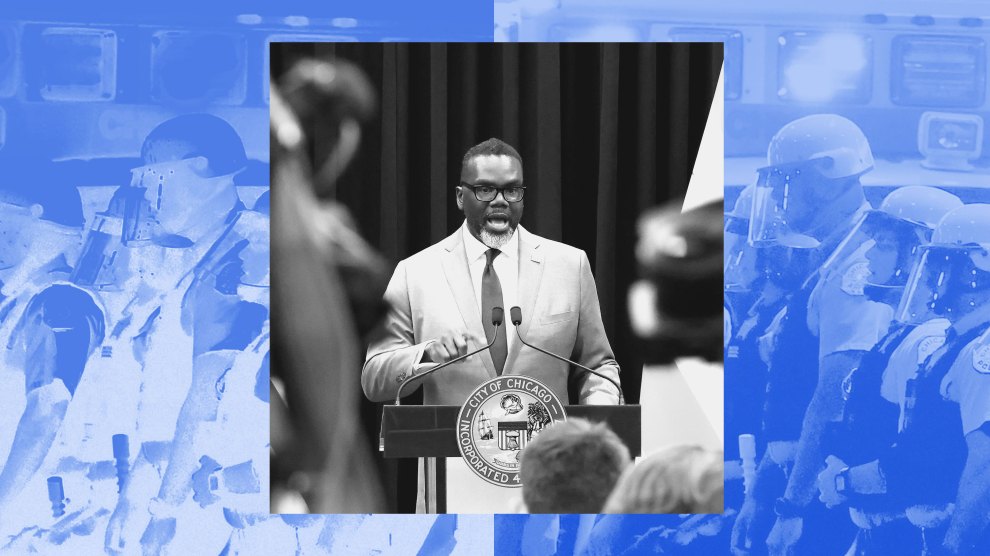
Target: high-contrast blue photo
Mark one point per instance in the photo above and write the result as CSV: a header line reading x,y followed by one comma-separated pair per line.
x,y
855,277
134,260
134,277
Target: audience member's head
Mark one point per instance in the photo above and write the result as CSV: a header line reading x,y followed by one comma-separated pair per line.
x,y
571,467
677,480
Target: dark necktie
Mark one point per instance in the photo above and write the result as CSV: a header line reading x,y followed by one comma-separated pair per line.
x,y
491,296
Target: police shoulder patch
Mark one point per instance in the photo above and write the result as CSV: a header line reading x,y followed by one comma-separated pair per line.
x,y
981,359
854,279
499,418
928,345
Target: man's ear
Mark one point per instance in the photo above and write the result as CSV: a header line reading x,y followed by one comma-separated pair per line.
x,y
460,197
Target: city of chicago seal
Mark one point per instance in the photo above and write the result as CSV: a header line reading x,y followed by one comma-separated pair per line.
x,y
497,421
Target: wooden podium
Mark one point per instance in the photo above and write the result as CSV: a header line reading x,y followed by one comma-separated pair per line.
x,y
429,431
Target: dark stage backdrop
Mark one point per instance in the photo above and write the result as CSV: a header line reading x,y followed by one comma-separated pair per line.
x,y
604,130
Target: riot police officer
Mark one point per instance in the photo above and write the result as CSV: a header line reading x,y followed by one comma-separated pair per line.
x,y
933,468
808,198
181,276
893,235
756,286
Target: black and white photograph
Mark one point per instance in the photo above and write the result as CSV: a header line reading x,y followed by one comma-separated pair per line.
x,y
495,285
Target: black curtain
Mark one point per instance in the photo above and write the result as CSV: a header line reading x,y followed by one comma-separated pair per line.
x,y
604,130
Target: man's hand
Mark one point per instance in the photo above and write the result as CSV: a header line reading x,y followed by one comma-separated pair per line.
x,y
826,482
449,346
784,536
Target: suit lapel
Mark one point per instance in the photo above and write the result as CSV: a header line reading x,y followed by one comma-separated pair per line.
x,y
455,268
530,274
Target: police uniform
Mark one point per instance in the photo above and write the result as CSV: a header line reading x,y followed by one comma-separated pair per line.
x,y
869,426
805,335
922,467
792,372
794,340
968,383
228,347
914,350
145,362
149,345
870,414
747,376
48,331
232,332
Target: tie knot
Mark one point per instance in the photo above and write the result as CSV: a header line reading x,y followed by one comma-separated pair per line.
x,y
492,253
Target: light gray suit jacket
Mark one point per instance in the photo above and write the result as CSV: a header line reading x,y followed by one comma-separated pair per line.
x,y
431,293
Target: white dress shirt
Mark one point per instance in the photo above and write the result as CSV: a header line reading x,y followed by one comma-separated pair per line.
x,y
506,266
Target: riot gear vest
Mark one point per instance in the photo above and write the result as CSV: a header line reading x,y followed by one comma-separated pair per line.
x,y
916,473
793,370
869,422
746,377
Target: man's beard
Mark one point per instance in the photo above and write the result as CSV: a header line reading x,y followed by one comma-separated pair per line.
x,y
496,241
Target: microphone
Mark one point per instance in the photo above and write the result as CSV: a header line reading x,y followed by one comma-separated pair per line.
x,y
515,314
498,316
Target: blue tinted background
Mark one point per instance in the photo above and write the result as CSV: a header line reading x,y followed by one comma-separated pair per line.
x,y
81,84
94,130
880,64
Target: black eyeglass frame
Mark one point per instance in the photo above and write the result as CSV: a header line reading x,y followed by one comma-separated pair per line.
x,y
474,189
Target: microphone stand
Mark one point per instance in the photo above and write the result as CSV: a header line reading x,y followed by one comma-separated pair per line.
x,y
516,322
398,394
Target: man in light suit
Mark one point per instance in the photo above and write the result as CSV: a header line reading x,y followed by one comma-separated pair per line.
x,y
441,299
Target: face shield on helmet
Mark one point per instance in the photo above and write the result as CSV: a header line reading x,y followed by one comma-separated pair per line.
x,y
186,182
953,275
809,163
949,282
784,206
170,189
788,267
746,265
895,232
740,267
890,247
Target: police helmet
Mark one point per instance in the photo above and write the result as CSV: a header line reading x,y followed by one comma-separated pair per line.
x,y
835,145
195,135
920,204
953,275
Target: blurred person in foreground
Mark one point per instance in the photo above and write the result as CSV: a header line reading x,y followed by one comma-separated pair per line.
x,y
676,307
571,467
676,480
326,291
678,315
677,312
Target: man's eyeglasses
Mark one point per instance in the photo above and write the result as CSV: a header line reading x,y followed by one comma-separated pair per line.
x,y
487,193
